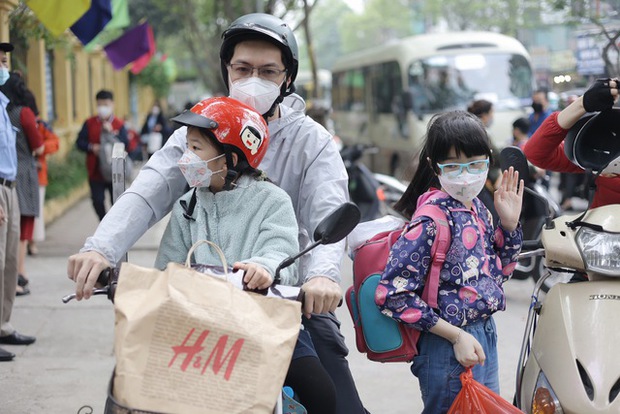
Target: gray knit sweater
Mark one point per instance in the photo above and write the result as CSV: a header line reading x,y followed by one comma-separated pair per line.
x,y
255,222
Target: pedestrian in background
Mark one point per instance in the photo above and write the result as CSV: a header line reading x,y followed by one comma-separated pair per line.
x,y
9,218
483,110
154,130
51,144
540,106
29,145
103,125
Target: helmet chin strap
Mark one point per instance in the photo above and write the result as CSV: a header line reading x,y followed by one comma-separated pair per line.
x,y
278,100
231,173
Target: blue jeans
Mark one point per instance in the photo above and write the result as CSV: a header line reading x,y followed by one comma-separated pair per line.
x,y
438,370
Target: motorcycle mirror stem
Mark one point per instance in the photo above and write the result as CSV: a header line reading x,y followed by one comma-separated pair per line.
x,y
331,229
514,157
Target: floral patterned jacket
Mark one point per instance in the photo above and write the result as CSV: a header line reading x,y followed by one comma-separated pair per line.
x,y
477,263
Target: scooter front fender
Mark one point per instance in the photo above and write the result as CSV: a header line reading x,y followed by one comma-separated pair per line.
x,y
576,345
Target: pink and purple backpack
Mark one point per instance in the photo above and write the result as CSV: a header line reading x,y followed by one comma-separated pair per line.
x,y
380,337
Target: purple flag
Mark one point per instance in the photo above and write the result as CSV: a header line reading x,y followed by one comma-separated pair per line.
x,y
93,21
129,47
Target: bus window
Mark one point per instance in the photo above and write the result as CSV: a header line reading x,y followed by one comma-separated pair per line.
x,y
450,82
348,91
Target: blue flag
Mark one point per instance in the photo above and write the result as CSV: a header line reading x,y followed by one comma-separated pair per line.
x,y
93,21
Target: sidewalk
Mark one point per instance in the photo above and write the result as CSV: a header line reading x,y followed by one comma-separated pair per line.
x,y
69,365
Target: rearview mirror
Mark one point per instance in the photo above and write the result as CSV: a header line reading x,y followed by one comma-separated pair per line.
x,y
331,229
338,224
515,158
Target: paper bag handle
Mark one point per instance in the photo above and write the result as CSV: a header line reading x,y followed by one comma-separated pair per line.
x,y
217,249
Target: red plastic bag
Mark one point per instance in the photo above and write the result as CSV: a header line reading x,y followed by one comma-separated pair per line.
x,y
475,398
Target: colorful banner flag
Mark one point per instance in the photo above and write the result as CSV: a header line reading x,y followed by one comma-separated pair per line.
x,y
129,47
114,28
144,60
58,15
93,21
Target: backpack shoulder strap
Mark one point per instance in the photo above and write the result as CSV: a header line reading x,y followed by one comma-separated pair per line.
x,y
438,250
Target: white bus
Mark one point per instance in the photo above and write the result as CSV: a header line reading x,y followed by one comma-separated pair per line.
x,y
385,96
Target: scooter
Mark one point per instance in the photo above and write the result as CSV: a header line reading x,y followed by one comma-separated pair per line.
x,y
569,361
333,228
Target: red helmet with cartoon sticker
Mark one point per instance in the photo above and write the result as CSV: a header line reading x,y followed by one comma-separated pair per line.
x,y
233,123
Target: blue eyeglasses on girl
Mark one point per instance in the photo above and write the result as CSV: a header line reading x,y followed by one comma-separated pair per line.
x,y
473,167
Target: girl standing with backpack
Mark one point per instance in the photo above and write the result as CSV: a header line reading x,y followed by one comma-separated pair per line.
x,y
453,167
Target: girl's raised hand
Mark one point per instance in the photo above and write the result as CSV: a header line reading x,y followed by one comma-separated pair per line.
x,y
509,199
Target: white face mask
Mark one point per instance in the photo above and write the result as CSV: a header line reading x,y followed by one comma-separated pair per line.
x,y
104,111
258,93
195,169
4,75
464,187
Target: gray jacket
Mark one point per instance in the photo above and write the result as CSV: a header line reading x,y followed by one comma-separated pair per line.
x,y
302,159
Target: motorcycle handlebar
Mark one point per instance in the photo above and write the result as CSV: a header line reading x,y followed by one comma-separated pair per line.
x,y
531,245
108,278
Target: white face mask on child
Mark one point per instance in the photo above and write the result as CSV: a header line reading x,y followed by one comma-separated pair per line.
x,y
463,187
195,169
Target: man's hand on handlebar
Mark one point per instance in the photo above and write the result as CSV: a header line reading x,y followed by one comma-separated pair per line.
x,y
321,295
84,269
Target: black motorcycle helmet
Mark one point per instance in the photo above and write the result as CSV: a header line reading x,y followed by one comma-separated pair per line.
x,y
594,141
261,26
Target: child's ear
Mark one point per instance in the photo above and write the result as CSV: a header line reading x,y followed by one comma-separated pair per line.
x,y
430,164
235,158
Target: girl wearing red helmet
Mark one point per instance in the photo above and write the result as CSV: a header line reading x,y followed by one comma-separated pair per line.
x,y
226,140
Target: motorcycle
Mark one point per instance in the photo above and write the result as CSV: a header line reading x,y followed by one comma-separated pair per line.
x,y
373,193
333,228
568,361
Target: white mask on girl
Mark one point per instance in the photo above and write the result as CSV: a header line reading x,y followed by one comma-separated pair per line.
x,y
258,93
463,187
195,169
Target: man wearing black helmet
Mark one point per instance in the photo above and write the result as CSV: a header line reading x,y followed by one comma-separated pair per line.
x,y
545,149
259,62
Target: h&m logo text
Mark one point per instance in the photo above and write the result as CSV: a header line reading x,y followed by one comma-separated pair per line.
x,y
194,360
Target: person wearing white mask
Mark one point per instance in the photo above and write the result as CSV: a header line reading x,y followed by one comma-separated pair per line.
x,y
155,122
9,218
259,60
89,141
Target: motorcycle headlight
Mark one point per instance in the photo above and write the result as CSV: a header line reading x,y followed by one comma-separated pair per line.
x,y
600,251
545,401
